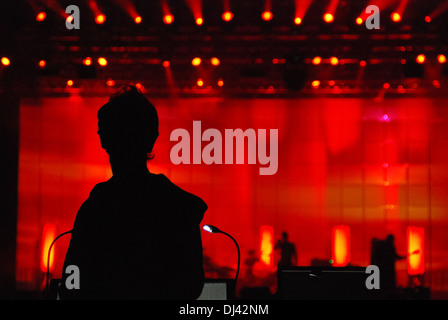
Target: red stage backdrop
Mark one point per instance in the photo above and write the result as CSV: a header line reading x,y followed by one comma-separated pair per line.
x,y
375,166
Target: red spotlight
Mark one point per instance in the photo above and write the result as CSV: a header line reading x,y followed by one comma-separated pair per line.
x,y
5,61
138,19
428,19
196,61
102,61
70,83
420,58
100,18
297,20
87,61
69,19
227,16
200,82
340,245
441,58
359,21
316,60
436,84
334,61
110,83
41,16
396,17
42,63
215,61
168,19
386,86
220,82
166,63
328,18
362,63
139,86
199,21
267,16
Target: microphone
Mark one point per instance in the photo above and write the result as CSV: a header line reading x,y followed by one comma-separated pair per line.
x,y
213,229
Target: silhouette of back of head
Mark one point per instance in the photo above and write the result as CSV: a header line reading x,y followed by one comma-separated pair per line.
x,y
128,125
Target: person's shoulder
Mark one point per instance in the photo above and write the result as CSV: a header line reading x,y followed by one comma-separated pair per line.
x,y
180,197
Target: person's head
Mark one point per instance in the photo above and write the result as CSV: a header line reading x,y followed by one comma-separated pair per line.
x,y
285,236
128,125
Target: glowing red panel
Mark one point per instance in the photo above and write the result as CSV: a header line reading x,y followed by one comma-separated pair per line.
x,y
340,236
416,250
49,233
267,245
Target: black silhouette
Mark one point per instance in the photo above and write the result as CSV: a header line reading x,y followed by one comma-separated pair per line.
x,y
384,255
288,253
137,235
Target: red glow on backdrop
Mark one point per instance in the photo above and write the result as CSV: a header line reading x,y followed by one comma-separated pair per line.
x,y
416,250
267,245
332,169
49,233
340,248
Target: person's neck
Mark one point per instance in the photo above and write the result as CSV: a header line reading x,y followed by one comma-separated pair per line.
x,y
128,167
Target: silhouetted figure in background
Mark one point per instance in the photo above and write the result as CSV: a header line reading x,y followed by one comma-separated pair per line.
x,y
137,236
288,254
250,261
384,255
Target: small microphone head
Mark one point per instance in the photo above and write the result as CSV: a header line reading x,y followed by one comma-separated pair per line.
x,y
210,228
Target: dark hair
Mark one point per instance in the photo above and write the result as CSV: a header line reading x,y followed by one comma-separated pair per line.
x,y
128,123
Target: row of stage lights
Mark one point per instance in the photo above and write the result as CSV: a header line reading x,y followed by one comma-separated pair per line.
x,y
197,61
227,16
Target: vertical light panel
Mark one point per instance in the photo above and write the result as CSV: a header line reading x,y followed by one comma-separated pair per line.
x,y
340,236
416,257
267,245
49,233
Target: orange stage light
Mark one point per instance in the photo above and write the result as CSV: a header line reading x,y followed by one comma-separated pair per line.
x,y
199,21
42,63
297,20
328,18
334,61
5,61
102,61
70,83
41,16
168,19
441,58
196,61
215,61
87,61
315,84
267,16
227,16
396,17
316,60
220,83
166,63
110,83
359,21
200,82
420,58
100,19
138,19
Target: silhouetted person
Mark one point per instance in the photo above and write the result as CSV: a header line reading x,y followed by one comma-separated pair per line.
x,y
250,262
137,235
288,254
384,255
